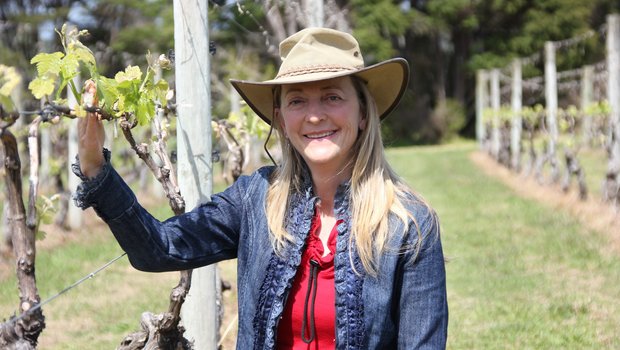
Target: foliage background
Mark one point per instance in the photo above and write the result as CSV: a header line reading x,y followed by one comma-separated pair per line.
x,y
444,40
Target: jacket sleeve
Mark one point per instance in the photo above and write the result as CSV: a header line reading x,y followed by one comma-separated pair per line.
x,y
423,319
207,234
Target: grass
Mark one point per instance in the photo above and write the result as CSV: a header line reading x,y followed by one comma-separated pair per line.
x,y
102,310
520,275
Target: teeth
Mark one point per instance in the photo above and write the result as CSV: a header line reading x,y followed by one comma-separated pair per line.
x,y
318,136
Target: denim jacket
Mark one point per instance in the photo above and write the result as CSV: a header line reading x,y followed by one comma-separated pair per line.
x,y
403,307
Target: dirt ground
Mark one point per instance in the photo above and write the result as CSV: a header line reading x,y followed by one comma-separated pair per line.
x,y
593,213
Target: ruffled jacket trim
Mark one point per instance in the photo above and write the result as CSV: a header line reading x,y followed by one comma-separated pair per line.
x,y
282,268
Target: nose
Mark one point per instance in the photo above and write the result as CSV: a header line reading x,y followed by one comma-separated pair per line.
x,y
315,112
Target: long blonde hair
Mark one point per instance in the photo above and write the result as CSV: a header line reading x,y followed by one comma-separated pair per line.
x,y
375,189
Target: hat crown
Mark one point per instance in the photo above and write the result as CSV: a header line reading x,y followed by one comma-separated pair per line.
x,y
315,50
315,54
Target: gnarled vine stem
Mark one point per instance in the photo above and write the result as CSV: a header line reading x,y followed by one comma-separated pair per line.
x,y
22,332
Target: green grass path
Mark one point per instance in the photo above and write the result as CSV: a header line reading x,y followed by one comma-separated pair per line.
x,y
521,275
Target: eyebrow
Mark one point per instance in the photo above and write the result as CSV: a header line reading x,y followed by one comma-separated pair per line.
x,y
329,87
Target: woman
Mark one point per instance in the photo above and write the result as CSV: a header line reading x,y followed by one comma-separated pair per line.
x,y
341,253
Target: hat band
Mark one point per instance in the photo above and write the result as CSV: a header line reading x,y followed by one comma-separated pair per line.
x,y
315,69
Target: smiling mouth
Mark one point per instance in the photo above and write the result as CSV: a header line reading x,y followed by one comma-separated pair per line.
x,y
320,135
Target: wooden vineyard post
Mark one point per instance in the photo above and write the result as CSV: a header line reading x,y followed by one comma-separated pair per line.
x,y
611,188
481,105
586,100
551,99
314,13
200,311
495,105
515,135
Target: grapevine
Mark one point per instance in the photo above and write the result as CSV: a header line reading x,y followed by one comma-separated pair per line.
x,y
132,97
130,94
19,332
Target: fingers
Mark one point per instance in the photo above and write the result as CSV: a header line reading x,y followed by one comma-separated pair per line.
x,y
92,123
91,134
89,96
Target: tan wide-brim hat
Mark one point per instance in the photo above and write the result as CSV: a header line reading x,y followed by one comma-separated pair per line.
x,y
316,54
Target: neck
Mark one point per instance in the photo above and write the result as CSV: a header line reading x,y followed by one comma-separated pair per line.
x,y
325,187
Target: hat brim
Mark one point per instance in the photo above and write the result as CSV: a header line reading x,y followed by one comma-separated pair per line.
x,y
386,82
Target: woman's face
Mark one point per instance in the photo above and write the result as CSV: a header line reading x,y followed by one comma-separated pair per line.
x,y
321,120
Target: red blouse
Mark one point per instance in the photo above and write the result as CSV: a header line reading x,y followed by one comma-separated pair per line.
x,y
321,295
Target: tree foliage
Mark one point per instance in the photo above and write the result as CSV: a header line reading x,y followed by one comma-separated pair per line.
x,y
444,40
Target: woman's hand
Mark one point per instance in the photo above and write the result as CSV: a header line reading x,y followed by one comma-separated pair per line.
x,y
91,134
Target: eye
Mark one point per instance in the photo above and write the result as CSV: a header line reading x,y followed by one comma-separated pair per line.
x,y
294,102
333,98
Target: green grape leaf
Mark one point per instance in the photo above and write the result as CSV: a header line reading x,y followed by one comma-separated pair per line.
x,y
41,86
81,52
161,90
6,102
130,73
563,124
5,88
120,104
572,111
47,219
9,80
605,107
40,235
70,66
145,110
107,90
46,207
128,87
131,88
48,63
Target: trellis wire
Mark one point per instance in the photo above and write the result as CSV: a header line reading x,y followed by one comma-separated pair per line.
x,y
569,83
533,84
537,83
244,11
228,329
566,43
75,284
531,59
537,56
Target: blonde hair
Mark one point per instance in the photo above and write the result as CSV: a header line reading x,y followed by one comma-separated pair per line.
x,y
375,190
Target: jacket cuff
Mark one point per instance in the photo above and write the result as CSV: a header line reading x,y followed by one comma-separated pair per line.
x,y
83,196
